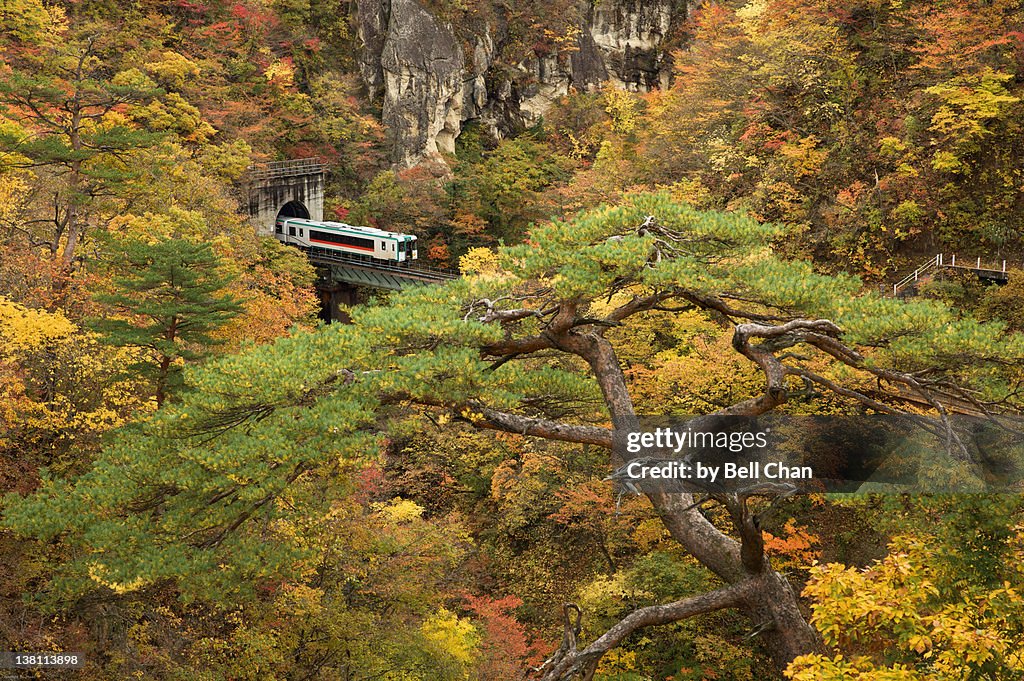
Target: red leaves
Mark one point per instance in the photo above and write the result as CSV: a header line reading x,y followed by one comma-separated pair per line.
x,y
506,649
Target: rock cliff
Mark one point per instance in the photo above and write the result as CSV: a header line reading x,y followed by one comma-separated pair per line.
x,y
431,77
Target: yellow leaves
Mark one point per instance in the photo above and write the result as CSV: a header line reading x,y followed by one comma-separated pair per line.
x,y
751,12
698,372
13,189
31,20
919,643
606,595
399,510
650,533
564,40
471,416
152,227
482,261
821,668
623,108
82,398
947,162
173,113
891,147
804,157
894,605
228,160
280,73
100,573
689,190
451,634
618,661
970,102
23,329
300,600
132,78
172,69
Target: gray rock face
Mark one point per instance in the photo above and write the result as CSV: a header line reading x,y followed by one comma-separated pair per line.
x,y
372,24
629,34
474,93
619,43
415,63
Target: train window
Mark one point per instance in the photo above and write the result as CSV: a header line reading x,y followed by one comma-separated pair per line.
x,y
300,232
342,239
291,231
279,229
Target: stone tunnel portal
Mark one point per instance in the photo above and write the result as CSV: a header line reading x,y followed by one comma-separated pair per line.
x,y
293,209
284,189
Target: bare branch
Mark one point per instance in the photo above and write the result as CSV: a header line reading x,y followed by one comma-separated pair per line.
x,y
568,662
710,302
493,419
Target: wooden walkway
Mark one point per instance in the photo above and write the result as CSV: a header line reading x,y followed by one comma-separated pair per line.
x,y
997,274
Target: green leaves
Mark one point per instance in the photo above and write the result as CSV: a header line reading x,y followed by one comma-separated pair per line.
x,y
195,493
169,301
586,255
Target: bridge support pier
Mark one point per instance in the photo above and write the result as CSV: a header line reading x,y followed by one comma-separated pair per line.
x,y
335,297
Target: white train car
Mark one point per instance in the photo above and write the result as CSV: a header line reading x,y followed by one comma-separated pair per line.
x,y
348,239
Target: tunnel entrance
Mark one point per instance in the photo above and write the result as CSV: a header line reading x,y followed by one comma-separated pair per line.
x,y
293,209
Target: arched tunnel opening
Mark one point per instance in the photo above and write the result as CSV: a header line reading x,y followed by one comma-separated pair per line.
x,y
293,209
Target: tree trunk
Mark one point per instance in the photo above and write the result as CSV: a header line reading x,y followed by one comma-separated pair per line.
x,y
773,607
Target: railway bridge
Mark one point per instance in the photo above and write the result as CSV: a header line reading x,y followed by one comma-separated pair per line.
x,y
295,189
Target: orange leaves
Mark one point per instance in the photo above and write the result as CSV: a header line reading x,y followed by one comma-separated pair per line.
x,y
586,504
505,649
966,37
273,301
469,224
439,253
795,548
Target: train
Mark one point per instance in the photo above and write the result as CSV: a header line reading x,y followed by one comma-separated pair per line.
x,y
339,237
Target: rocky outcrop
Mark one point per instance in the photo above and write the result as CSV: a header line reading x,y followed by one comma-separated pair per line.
x,y
419,72
475,96
629,35
431,78
372,27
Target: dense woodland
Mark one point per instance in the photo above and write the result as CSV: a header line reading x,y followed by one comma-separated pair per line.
x,y
203,481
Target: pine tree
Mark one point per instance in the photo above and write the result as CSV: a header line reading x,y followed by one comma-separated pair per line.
x,y
213,491
168,301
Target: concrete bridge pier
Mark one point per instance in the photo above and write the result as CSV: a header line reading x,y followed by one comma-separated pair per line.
x,y
335,298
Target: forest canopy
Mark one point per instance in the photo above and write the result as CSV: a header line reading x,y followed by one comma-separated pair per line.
x,y
203,478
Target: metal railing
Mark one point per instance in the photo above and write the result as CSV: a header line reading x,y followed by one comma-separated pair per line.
x,y
293,168
976,267
939,261
913,276
408,270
